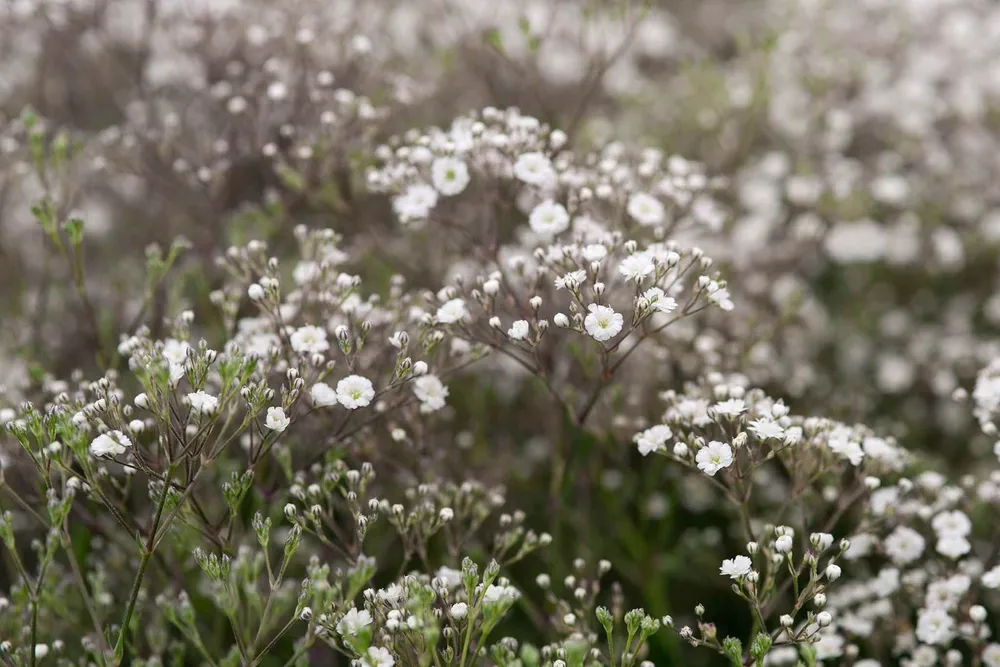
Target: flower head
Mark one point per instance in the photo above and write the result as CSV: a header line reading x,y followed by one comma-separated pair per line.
x,y
355,392
714,457
111,443
603,323
276,419
450,175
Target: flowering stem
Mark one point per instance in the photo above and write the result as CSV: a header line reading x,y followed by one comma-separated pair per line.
x,y
147,553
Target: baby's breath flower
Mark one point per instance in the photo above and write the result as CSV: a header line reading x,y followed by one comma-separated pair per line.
x,y
602,322
202,402
355,392
112,443
323,395
713,457
276,419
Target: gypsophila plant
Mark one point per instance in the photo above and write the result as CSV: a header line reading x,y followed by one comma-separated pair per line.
x,y
678,349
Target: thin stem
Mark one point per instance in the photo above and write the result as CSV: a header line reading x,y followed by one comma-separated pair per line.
x,y
147,553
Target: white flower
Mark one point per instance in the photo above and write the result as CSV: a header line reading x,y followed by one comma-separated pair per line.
x,y
255,292
713,457
953,546
379,656
720,296
991,578
452,578
935,626
534,169
571,280
594,252
731,408
637,266
603,322
391,593
459,610
306,272
652,439
765,428
431,393
451,311
355,392
203,403
659,301
734,568
111,443
519,330
309,340
904,545
549,218
353,622
495,594
991,655
416,203
783,544
952,524
450,175
276,419
323,395
645,209
175,351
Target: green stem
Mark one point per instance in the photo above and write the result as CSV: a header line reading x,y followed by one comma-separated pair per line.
x,y
147,553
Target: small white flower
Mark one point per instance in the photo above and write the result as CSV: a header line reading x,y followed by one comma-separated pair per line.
x,y
255,292
991,655
594,252
379,656
734,568
765,428
935,626
603,323
549,218
111,443
452,311
571,280
731,408
323,395
202,402
645,209
659,301
306,272
459,610
991,578
714,457
450,175
953,546
416,203
904,545
353,622
534,169
652,439
431,393
519,330
952,524
355,391
276,419
637,267
783,544
309,340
